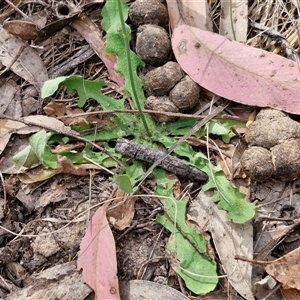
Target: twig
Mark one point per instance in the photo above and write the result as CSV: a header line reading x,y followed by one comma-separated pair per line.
x,y
184,138
148,111
3,185
151,155
67,65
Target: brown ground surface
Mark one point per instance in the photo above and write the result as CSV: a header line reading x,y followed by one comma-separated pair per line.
x,y
29,245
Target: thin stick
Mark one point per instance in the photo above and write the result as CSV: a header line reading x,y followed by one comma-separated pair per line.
x,y
70,133
148,111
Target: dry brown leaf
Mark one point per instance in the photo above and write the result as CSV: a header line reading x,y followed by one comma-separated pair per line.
x,y
285,269
223,160
123,212
61,281
8,91
66,166
67,147
24,29
239,149
290,294
69,115
8,127
93,36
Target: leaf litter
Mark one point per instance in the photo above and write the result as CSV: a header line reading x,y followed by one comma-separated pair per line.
x,y
28,193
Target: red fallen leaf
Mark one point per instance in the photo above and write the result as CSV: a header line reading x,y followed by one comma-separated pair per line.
x,y
235,71
97,257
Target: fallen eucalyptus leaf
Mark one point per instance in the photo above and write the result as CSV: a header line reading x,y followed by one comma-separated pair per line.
x,y
235,71
97,257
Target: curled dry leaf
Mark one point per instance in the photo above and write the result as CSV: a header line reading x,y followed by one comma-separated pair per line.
x,y
235,71
123,210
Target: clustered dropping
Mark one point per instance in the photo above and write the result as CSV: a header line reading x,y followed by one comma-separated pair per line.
x,y
274,140
168,88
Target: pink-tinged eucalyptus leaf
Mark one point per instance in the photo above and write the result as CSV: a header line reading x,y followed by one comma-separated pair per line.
x,y
236,71
97,257
93,36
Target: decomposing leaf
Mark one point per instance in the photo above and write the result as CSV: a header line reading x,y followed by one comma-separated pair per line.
x,y
235,71
37,175
68,114
62,281
148,290
8,127
269,238
228,238
22,59
97,257
284,269
9,91
123,212
50,123
290,294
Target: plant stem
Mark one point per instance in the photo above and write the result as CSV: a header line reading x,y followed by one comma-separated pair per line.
x,y
134,93
231,20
